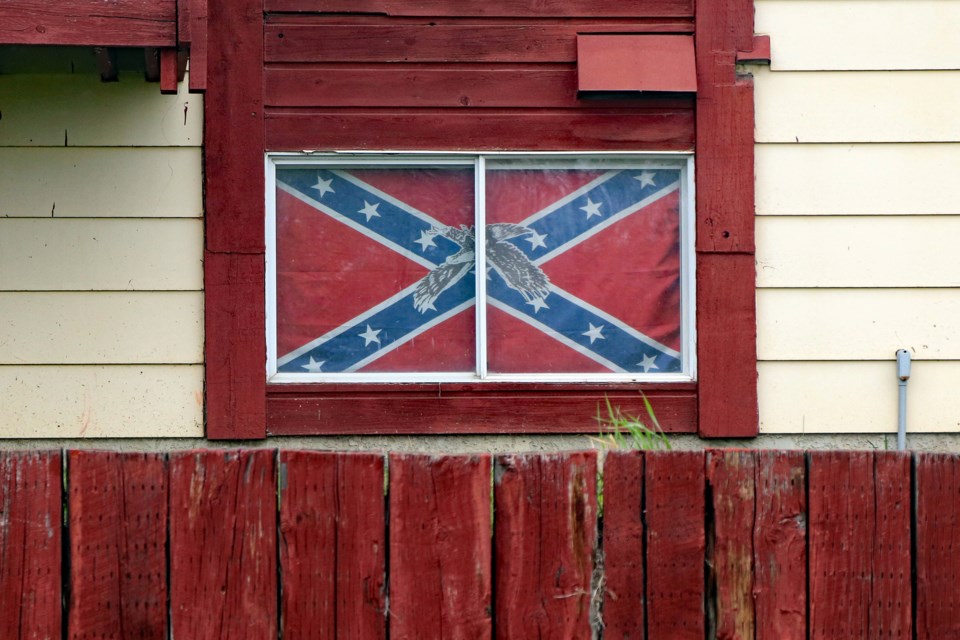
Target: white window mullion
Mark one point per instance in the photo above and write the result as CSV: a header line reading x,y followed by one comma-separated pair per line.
x,y
480,247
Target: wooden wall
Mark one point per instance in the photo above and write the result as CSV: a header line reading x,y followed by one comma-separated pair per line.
x,y
858,214
101,302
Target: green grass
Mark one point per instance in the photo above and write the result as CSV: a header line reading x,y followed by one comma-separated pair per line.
x,y
620,430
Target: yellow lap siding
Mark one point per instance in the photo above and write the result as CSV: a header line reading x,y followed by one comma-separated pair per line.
x,y
101,328
857,179
861,34
155,401
857,106
857,324
80,111
858,251
856,397
101,182
100,254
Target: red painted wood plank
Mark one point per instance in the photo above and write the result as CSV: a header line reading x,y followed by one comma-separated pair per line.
x,y
233,133
198,45
727,345
30,524
168,71
780,546
183,23
479,129
234,345
379,411
890,614
732,479
453,86
120,23
223,544
438,41
440,550
332,545
624,599
545,535
842,539
118,542
937,530
676,541
490,8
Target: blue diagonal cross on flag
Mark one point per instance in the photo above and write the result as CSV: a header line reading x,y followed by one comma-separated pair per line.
x,y
376,268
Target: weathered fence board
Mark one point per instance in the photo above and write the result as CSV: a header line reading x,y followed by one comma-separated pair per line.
x,y
440,550
780,546
332,545
937,529
624,599
118,541
30,518
544,532
223,573
674,494
693,545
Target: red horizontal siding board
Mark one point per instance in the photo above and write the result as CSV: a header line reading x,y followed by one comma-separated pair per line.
x,y
780,546
480,130
635,63
624,600
30,529
332,545
120,23
676,542
440,549
223,545
732,479
545,536
435,85
464,41
118,543
489,8
372,413
937,532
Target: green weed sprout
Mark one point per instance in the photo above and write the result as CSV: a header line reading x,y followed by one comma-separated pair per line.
x,y
619,430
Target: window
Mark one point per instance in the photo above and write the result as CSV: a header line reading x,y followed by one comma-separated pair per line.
x,y
588,261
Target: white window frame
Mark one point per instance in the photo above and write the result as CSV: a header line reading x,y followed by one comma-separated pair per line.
x,y
684,162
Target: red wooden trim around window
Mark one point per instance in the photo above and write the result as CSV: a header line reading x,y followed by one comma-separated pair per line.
x,y
239,402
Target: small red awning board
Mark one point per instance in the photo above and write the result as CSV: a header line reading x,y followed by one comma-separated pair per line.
x,y
636,63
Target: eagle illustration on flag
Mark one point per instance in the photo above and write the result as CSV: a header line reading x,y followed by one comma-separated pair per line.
x,y
376,268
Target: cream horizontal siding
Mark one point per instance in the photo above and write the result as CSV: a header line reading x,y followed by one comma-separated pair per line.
x,y
102,328
101,248
857,179
858,397
858,251
861,34
858,214
104,182
857,324
119,401
858,106
46,254
80,111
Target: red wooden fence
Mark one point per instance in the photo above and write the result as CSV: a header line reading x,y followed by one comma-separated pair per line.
x,y
259,543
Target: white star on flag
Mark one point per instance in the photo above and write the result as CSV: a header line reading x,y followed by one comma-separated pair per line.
x,y
645,178
649,362
313,366
426,240
323,186
370,336
592,208
537,304
594,333
370,210
536,240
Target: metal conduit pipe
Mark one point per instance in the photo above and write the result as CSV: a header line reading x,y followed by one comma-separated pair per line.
x,y
903,374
